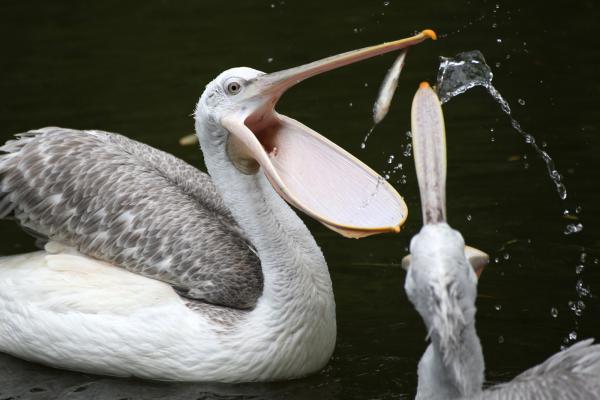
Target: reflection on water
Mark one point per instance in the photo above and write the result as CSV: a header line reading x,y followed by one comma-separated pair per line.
x,y
138,68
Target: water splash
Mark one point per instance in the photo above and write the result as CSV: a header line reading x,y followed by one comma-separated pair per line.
x,y
467,70
363,144
573,228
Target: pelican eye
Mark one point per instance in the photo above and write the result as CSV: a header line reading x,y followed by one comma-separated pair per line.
x,y
233,86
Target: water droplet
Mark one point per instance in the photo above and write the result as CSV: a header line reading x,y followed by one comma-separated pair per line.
x,y
579,269
355,30
500,339
407,150
521,102
581,305
573,228
350,104
386,176
583,257
498,64
272,5
582,290
499,40
498,307
469,217
596,261
270,59
573,335
554,312
572,305
386,3
494,25
578,210
506,256
529,139
366,84
364,142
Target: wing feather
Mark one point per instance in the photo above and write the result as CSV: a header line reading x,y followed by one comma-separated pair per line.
x,y
572,374
129,204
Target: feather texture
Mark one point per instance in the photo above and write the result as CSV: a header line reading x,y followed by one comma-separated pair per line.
x,y
134,206
572,374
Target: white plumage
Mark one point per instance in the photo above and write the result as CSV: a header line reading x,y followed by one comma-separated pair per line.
x,y
242,290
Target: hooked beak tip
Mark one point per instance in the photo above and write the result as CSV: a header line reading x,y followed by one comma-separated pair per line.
x,y
430,33
424,85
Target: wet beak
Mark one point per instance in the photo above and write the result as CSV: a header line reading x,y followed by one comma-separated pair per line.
x,y
307,170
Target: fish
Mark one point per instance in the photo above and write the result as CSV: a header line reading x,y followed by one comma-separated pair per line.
x,y
388,87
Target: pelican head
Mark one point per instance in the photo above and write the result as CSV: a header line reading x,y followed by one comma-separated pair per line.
x,y
236,116
441,283
441,280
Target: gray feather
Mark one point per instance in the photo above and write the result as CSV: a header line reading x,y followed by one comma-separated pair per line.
x,y
572,374
132,205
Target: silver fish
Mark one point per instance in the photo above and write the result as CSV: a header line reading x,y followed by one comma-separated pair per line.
x,y
388,87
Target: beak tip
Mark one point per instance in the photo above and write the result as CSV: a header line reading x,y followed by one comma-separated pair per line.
x,y
430,33
424,85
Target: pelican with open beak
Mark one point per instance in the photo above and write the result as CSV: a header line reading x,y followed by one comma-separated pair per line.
x,y
307,170
157,270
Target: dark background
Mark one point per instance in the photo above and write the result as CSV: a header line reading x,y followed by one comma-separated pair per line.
x,y
138,68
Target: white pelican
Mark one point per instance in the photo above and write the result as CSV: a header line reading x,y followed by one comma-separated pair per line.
x,y
442,285
241,291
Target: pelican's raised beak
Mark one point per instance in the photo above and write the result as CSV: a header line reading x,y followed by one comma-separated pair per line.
x,y
307,170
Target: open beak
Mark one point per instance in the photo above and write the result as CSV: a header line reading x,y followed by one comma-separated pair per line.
x,y
307,170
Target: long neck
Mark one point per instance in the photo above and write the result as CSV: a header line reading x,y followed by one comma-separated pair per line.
x,y
292,263
452,371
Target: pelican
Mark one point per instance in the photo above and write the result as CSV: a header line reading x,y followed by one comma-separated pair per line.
x,y
441,282
153,269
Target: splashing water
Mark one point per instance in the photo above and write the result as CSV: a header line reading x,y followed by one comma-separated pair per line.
x,y
363,144
467,70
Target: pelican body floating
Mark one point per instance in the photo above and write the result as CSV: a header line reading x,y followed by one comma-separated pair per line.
x,y
240,290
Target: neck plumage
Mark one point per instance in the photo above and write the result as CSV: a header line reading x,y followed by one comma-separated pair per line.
x,y
452,366
292,263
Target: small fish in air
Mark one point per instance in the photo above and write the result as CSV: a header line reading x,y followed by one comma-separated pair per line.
x,y
388,87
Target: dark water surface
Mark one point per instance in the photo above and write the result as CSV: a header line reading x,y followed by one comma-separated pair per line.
x,y
138,68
